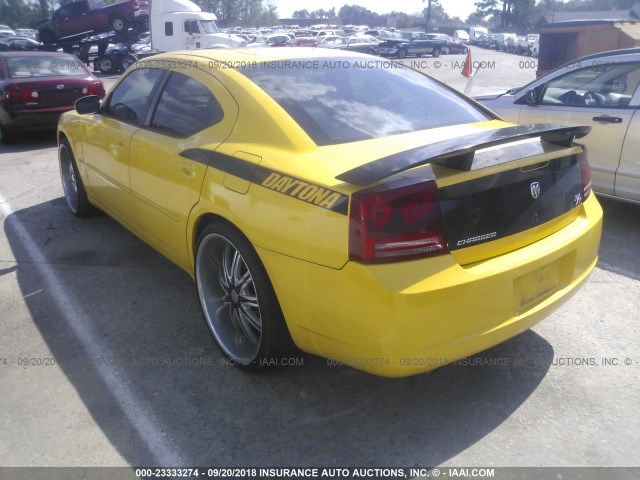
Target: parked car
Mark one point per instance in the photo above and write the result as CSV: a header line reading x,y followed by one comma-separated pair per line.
x,y
19,43
27,32
380,34
327,33
118,57
36,87
271,40
84,16
303,42
500,41
512,44
476,34
357,43
329,38
535,47
462,36
411,43
601,91
488,41
6,31
359,212
526,44
452,45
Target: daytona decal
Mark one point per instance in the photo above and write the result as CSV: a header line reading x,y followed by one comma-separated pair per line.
x,y
307,192
276,181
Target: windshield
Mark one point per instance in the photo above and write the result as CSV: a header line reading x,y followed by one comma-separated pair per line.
x,y
44,66
406,35
339,100
209,26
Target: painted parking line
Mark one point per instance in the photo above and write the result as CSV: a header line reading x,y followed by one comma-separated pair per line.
x,y
145,424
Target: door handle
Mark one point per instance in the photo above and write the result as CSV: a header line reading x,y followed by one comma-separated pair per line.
x,y
607,118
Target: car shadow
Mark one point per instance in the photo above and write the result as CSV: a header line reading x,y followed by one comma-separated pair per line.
x,y
31,141
126,328
620,225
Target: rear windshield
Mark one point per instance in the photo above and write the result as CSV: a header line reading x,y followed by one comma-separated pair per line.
x,y
44,66
346,99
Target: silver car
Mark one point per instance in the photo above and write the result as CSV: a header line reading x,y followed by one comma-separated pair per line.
x,y
600,90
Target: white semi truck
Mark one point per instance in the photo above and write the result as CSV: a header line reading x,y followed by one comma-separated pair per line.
x,y
182,25
173,25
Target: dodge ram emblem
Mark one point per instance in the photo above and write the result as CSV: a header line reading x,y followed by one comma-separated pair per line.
x,y
535,190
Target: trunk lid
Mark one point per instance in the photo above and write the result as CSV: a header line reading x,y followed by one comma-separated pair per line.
x,y
497,190
52,92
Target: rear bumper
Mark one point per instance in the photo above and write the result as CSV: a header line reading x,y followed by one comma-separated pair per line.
x,y
34,119
402,319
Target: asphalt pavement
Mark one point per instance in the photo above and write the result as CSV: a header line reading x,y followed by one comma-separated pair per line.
x,y
105,358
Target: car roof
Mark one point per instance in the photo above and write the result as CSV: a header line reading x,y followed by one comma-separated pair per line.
x,y
259,54
609,53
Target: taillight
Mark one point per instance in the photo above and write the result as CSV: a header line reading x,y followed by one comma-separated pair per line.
x,y
22,95
389,224
586,174
94,89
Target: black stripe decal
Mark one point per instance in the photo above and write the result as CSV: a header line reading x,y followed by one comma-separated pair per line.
x,y
279,182
458,153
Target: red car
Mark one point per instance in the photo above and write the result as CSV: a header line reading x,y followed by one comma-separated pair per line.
x,y
36,87
453,44
303,42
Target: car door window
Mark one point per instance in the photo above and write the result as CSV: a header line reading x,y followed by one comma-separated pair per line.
x,y
608,85
129,100
185,107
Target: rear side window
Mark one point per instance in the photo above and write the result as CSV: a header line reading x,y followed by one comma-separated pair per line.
x,y
31,66
128,102
347,99
186,106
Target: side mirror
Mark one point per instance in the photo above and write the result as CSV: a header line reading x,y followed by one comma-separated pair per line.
x,y
89,104
530,97
619,87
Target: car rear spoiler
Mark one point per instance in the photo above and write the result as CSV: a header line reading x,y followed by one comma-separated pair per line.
x,y
458,153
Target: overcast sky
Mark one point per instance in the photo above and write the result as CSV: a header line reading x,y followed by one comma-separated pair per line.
x,y
460,8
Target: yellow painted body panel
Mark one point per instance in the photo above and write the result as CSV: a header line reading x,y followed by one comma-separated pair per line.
x,y
376,318
405,318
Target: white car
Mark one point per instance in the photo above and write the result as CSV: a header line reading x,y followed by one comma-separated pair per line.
x,y
601,91
270,40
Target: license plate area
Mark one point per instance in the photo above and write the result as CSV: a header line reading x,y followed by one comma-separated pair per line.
x,y
533,287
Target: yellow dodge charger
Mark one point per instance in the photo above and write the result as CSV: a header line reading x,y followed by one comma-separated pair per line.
x,y
338,202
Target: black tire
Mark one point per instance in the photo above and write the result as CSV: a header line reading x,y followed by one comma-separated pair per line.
x,y
105,64
402,53
118,23
8,137
74,192
238,300
465,51
127,60
436,52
